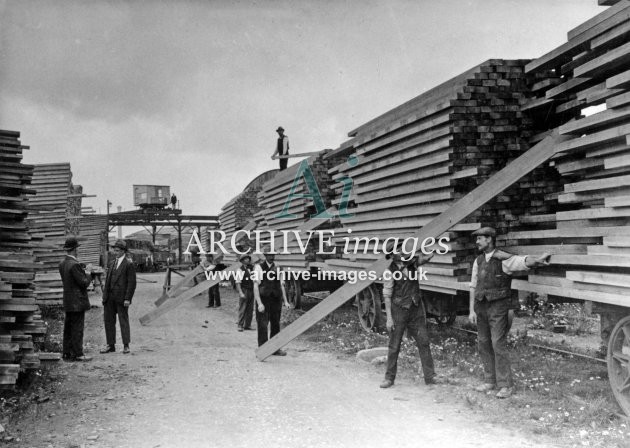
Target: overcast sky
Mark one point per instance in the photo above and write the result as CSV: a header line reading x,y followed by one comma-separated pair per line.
x,y
189,93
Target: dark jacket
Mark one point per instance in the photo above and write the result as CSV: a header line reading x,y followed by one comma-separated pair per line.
x,y
120,283
75,283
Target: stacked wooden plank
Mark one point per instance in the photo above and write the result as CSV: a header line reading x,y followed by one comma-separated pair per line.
x,y
19,318
93,239
414,161
590,235
47,222
239,211
273,197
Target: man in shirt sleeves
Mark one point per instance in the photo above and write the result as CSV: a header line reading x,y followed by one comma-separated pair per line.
x,y
282,147
490,293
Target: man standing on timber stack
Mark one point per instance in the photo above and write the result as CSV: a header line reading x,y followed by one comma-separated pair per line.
x,y
245,288
282,147
490,294
269,294
406,311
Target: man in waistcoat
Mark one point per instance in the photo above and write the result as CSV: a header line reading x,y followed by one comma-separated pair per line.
x,y
490,294
245,288
282,147
269,294
406,311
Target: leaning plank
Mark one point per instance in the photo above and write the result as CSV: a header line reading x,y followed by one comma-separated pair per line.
x,y
509,175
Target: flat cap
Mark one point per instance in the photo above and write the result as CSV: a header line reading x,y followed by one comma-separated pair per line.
x,y
280,128
244,256
485,231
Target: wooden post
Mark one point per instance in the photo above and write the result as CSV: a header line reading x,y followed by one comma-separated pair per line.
x,y
501,180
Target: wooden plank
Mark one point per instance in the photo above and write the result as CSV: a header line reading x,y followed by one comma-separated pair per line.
x,y
609,61
617,241
595,139
565,52
618,101
592,260
618,201
460,210
612,299
599,18
622,80
596,121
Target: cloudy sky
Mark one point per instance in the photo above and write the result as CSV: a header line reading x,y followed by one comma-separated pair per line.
x,y
189,93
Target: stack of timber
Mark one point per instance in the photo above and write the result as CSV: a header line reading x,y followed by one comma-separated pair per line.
x,y
240,211
93,239
273,215
415,161
51,214
19,313
590,235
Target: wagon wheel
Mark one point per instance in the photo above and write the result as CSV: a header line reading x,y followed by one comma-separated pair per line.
x,y
294,293
369,308
618,360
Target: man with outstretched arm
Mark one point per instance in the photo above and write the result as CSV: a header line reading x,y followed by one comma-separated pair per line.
x,y
490,293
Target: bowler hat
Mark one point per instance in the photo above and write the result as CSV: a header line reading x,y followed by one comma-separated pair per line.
x,y
120,244
267,251
485,231
244,256
280,128
71,243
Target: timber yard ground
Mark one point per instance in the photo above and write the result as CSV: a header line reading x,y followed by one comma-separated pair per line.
x,y
193,381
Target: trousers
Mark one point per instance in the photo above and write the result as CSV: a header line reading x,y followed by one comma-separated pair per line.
x,y
214,296
268,322
73,324
414,320
110,310
492,330
245,308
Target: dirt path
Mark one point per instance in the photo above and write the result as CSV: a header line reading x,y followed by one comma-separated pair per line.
x,y
189,386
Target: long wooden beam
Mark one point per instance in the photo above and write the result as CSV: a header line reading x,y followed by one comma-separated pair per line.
x,y
492,187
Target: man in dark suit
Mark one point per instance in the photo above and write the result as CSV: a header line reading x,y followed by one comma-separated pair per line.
x,y
75,302
120,285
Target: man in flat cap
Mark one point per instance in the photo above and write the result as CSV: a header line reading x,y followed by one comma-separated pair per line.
x,y
269,294
120,284
282,147
75,302
490,294
245,288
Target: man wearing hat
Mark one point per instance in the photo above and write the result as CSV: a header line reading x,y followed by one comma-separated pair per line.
x,y
210,265
269,294
490,294
120,284
282,147
405,310
75,302
245,288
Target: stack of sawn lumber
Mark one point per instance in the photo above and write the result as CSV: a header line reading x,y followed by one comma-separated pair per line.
x,y
19,314
239,211
417,159
47,222
590,236
93,239
273,197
